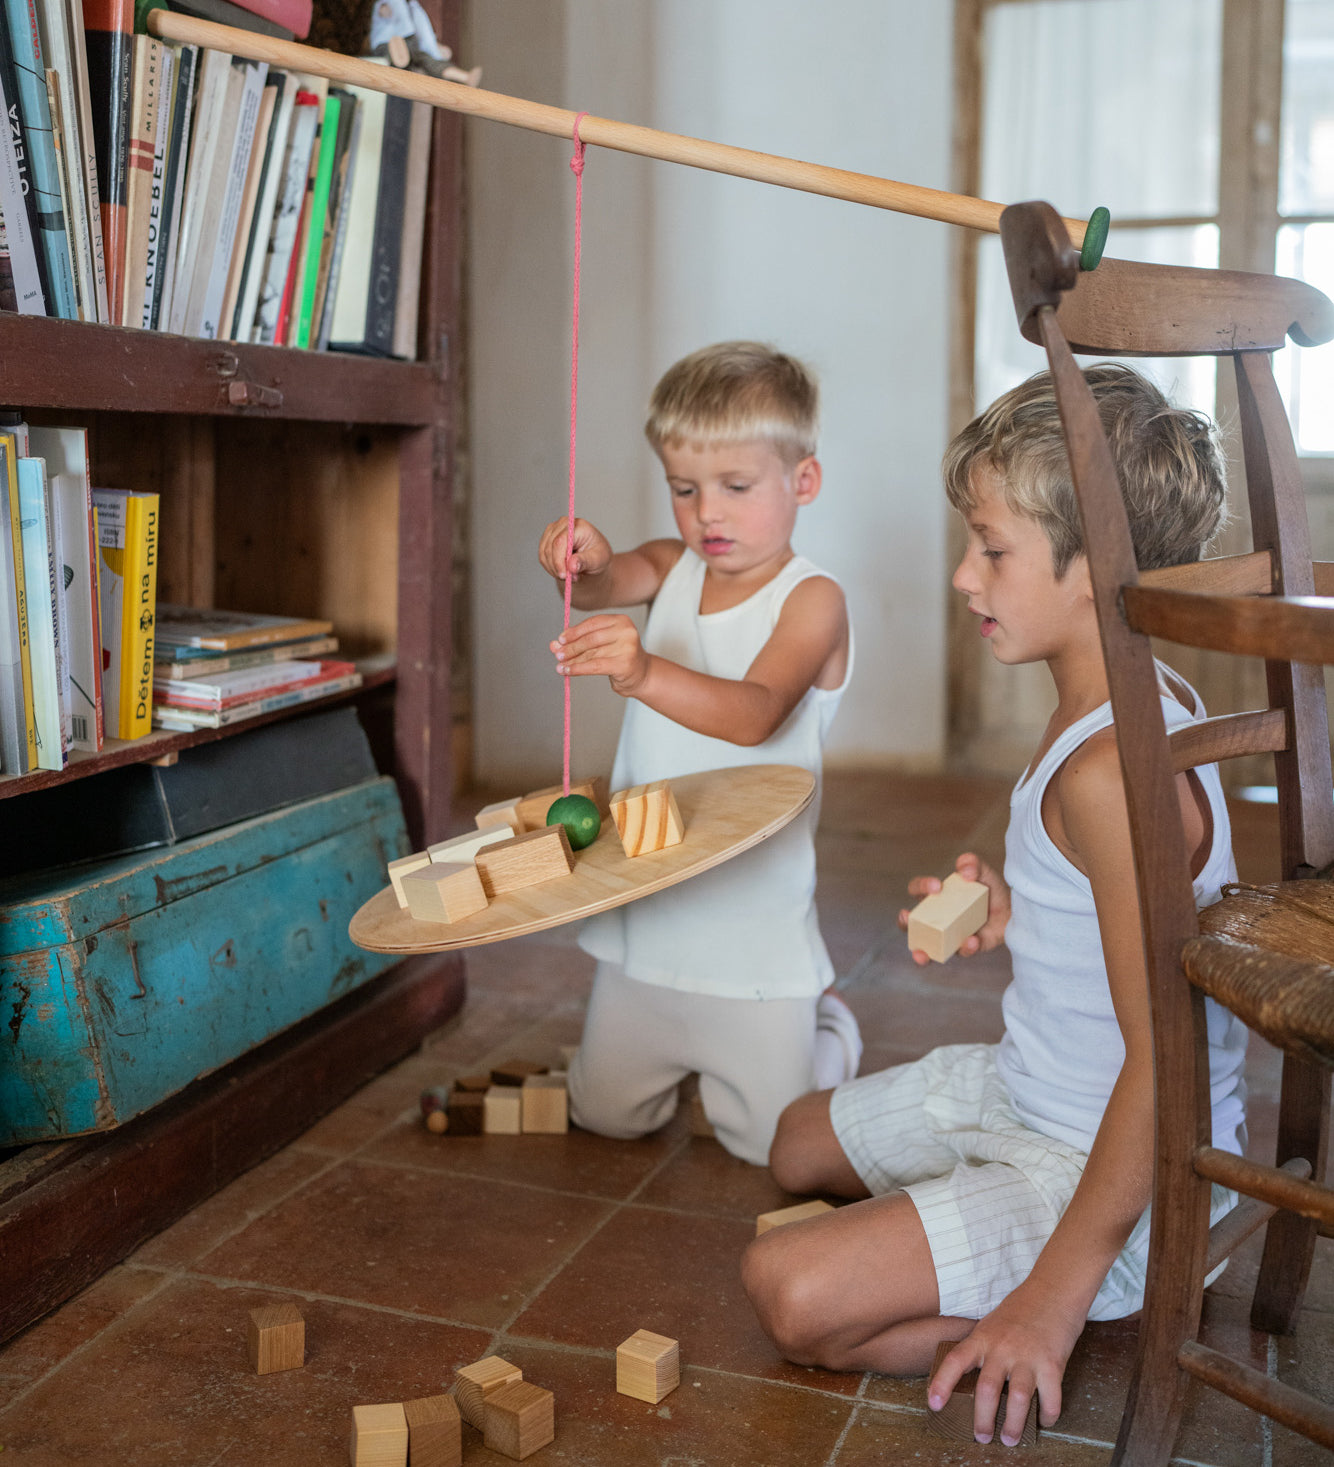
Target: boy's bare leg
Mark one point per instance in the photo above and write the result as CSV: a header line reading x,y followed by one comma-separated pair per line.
x,y
854,1289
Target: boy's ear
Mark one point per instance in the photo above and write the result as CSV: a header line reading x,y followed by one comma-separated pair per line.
x,y
807,478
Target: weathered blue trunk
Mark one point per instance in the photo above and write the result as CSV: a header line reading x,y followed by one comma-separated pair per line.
x,y
122,981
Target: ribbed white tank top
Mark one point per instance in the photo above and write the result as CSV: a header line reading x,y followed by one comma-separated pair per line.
x,y
747,928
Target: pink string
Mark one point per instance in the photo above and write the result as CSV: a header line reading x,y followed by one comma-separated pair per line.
x,y
577,168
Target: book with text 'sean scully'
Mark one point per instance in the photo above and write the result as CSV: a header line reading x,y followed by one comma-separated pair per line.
x,y
18,728
43,628
229,689
226,631
66,453
174,663
339,677
127,575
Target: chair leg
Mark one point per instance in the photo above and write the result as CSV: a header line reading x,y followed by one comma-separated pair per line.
x,y
1303,1130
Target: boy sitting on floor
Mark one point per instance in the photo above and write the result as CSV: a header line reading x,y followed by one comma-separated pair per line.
x,y
1009,1184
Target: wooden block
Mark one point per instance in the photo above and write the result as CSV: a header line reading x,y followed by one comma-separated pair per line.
x,y
546,1105
954,1420
462,849
276,1338
525,860
443,893
503,1111
435,1433
516,1071
481,1083
647,818
532,809
504,813
379,1436
399,869
939,923
801,1211
465,1113
478,1381
518,1419
648,1366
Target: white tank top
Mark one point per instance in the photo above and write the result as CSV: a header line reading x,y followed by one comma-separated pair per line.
x,y
747,928
1062,1049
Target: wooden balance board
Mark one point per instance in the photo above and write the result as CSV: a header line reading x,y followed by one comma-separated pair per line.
x,y
725,812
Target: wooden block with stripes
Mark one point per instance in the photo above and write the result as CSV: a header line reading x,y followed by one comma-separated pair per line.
x,y
647,818
648,1366
525,860
546,1105
276,1338
518,1419
478,1381
954,1420
435,1435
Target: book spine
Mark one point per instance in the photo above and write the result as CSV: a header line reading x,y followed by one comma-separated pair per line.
x,y
153,232
341,224
250,192
414,231
25,44
108,38
82,278
261,223
186,71
59,612
21,204
238,166
386,248
20,241
220,718
53,26
139,164
137,615
87,166
214,72
16,707
290,15
38,564
319,210
290,313
83,652
283,237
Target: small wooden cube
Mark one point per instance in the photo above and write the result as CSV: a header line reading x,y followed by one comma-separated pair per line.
x,y
379,1436
546,1105
954,1420
399,869
503,1112
648,1366
504,813
481,1083
478,1381
466,1112
647,818
435,1433
518,1419
525,860
938,924
799,1213
276,1338
515,1071
532,809
444,893
462,849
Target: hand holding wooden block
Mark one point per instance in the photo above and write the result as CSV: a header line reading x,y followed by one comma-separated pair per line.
x,y
518,1419
954,1420
938,924
782,1215
478,1381
276,1338
546,1105
443,893
648,1366
525,860
379,1436
435,1435
647,818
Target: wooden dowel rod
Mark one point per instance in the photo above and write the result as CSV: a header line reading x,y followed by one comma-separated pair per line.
x,y
625,137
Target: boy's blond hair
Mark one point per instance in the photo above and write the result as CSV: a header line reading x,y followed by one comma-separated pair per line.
x,y
737,392
1166,458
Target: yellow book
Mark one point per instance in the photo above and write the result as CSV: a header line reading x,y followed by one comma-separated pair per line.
x,y
127,586
17,670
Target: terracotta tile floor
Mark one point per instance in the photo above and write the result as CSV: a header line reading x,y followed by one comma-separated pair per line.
x,y
411,1255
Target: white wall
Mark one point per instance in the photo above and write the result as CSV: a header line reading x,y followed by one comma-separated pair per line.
x,y
674,258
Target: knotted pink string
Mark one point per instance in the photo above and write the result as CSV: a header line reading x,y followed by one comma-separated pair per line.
x,y
577,168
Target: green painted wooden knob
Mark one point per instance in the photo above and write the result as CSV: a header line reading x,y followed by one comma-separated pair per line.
x,y
1095,238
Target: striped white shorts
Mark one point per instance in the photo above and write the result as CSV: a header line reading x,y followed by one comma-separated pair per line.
x,y
988,1189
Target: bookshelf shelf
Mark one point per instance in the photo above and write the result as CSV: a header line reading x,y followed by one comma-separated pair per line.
x,y
80,367
160,744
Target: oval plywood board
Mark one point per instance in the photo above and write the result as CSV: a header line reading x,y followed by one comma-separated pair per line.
x,y
725,812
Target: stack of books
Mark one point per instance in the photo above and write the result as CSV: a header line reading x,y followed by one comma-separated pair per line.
x,y
78,589
215,668
147,183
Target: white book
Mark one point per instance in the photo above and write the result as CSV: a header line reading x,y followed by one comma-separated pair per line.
x,y
188,718
80,267
53,28
13,708
287,217
19,237
187,76
215,70
39,573
354,270
91,183
265,206
219,686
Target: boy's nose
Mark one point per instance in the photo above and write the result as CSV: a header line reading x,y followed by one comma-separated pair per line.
x,y
963,580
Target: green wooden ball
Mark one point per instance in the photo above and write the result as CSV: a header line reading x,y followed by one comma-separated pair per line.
x,y
579,815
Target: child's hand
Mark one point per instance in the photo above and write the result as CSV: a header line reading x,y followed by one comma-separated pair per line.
x,y
992,932
591,552
605,645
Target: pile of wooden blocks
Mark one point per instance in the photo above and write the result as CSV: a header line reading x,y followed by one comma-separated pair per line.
x,y
519,1097
512,847
515,1416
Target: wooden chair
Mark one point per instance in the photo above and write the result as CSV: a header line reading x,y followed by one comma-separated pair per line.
x,y
1279,984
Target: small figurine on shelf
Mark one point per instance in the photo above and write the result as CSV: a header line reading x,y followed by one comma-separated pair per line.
x,y
402,31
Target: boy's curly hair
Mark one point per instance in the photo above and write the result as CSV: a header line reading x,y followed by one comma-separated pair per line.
x,y
1167,459
737,392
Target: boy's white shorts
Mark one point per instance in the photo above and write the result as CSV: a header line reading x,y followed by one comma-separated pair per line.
x,y
988,1189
